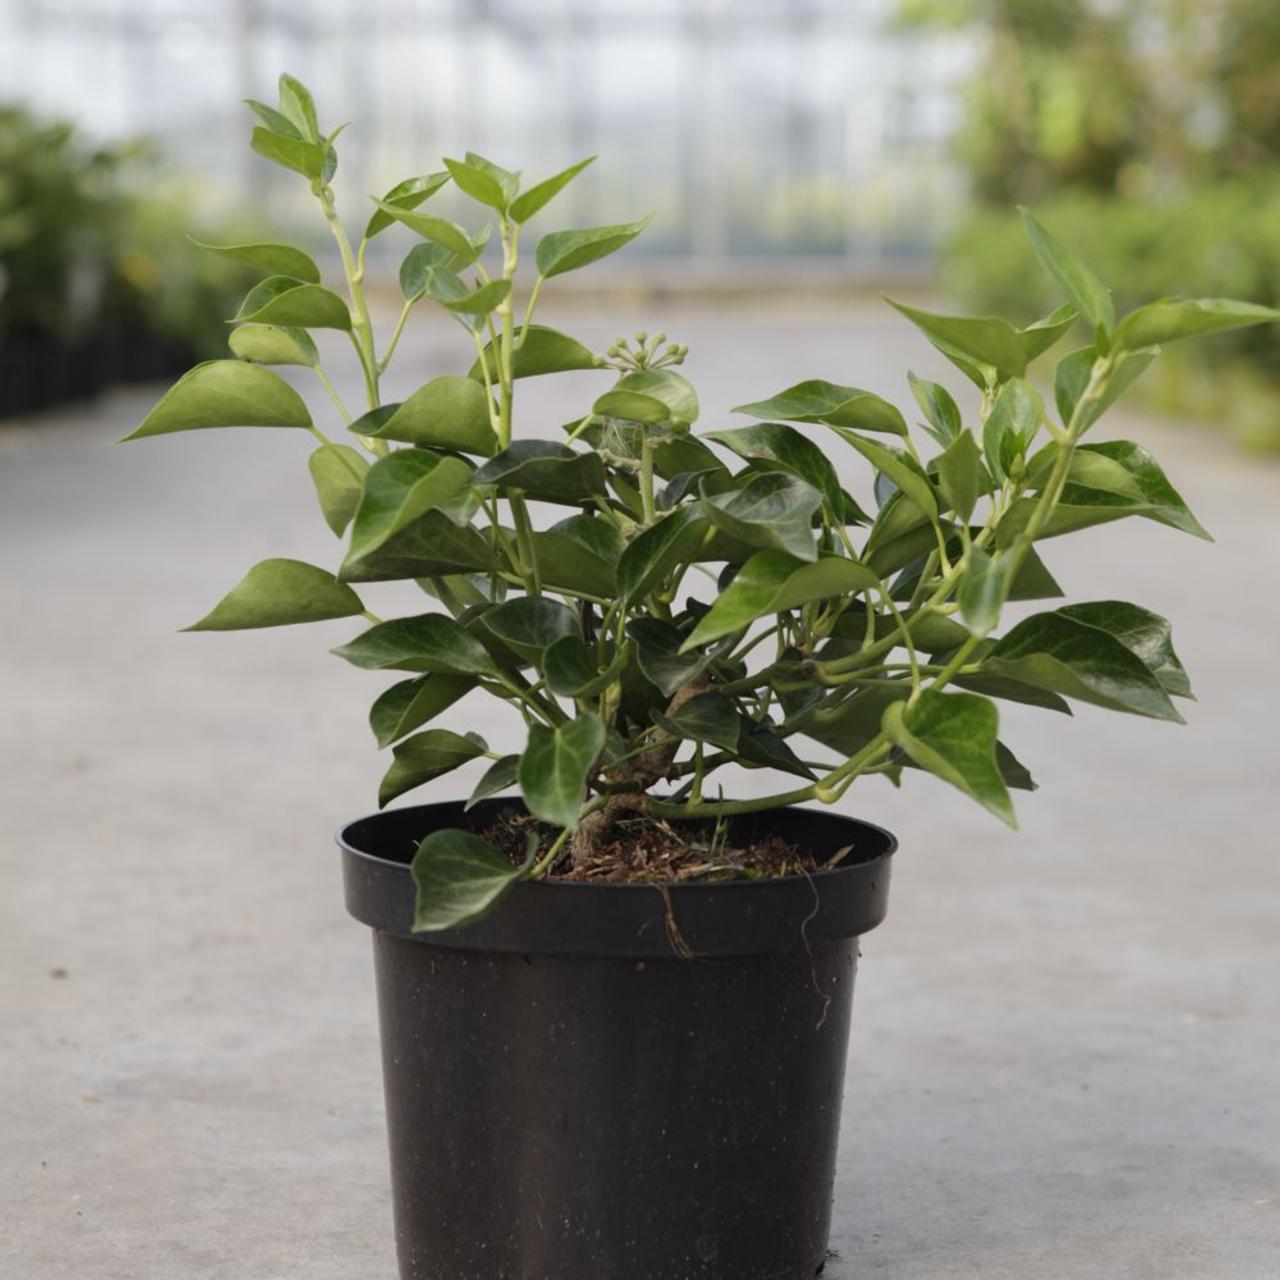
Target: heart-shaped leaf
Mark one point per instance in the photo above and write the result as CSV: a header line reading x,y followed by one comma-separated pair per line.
x,y
429,642
448,412
425,756
527,625
555,767
659,654
271,344
966,340
409,704
562,251
407,195
282,301
278,593
541,350
546,471
459,879
273,259
773,510
338,472
954,736
525,206
571,671
827,402
225,393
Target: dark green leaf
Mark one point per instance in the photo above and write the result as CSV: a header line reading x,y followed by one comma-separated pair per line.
x,y
772,582
1091,297
545,470
706,717
431,546
938,408
448,412
271,344
429,642
773,510
500,775
652,556
409,704
900,467
407,195
1173,318
565,562
542,351
571,669
273,259
459,878
1145,634
954,736
525,206
594,534
528,625
759,746
278,593
659,656
1013,691
556,765
225,393
837,406
423,757
563,251
960,475
338,473
847,724
787,448
281,300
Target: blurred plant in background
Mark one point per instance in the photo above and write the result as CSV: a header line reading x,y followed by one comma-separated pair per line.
x,y
1150,131
98,284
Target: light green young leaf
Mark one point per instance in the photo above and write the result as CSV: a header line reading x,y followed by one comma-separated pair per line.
x,y
631,406
1091,297
281,300
407,195
306,158
562,251
275,122
984,340
1011,425
479,302
273,259
1072,376
409,704
459,879
279,593
273,344
1174,318
224,393
429,642
438,230
338,472
827,402
542,351
900,467
507,179
297,106
448,412
478,184
556,765
960,475
525,206
954,736
938,408
425,756
983,591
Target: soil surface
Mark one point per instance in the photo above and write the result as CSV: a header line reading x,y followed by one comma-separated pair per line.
x,y
654,851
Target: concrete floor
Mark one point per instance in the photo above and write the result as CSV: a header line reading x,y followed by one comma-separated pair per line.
x,y
1065,1050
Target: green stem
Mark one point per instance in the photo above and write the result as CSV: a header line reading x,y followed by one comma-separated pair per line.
x,y
395,337
333,394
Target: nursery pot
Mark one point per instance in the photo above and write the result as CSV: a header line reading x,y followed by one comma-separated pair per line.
x,y
617,1081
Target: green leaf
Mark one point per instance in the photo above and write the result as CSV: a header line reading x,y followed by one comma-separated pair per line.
x,y
270,344
562,251
1145,634
280,300
429,642
1091,297
459,879
789,449
273,119
772,582
631,406
986,340
774,510
500,775
556,765
706,717
398,489
594,534
479,302
478,184
274,259
423,757
525,206
545,470
983,590
938,408
528,625
448,412
224,393
1037,338
407,195
960,476
565,562
278,593
306,158
297,106
1074,371
438,230
760,747
1013,691
658,654
338,472
671,388
433,545
571,670
654,554
1174,318
543,350
506,179
409,704
1057,652
847,724
954,736
900,467
1011,425
827,402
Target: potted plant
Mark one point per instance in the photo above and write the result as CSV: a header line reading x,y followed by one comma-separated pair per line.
x,y
615,1003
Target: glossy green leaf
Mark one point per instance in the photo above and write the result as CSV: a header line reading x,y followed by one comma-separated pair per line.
x,y
498,777
448,412
1011,425
1145,634
1002,687
459,878
785,447
565,562
592,533
425,756
338,472
225,393
900,467
407,195
772,582
961,480
411,703
562,251
953,735
540,194
938,407
279,593
1091,297
773,510
543,350
429,642
827,402
847,723
438,230
1174,318
555,767
544,470
431,546
529,625
1071,380
1067,656
659,656
983,591
478,183
271,344
571,669
654,554
760,747
273,259
306,158
670,388
987,340
706,717
281,300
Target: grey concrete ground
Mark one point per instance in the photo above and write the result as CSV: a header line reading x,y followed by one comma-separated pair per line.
x,y
1065,1053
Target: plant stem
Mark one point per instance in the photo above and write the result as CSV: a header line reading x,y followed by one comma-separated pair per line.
x,y
333,395
395,337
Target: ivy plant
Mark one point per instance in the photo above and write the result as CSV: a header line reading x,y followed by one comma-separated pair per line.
x,y
659,603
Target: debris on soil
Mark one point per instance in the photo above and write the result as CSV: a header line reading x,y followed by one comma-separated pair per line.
x,y
654,851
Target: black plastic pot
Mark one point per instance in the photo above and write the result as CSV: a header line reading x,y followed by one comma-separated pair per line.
x,y
612,1081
